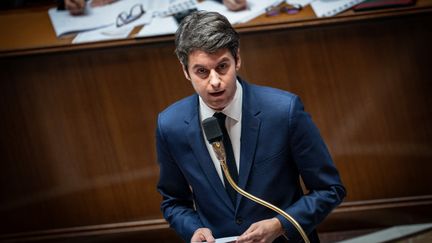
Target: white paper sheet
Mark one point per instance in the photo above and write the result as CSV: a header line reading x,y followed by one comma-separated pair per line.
x,y
159,26
93,18
227,239
112,32
254,9
107,33
165,8
303,3
328,8
224,240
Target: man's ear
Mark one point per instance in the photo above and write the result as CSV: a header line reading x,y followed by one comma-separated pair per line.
x,y
186,72
238,61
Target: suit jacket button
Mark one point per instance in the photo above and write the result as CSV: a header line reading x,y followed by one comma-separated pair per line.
x,y
239,220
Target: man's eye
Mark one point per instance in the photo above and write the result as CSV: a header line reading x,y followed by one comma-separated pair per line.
x,y
201,71
223,66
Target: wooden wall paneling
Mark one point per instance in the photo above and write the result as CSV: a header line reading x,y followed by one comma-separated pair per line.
x,y
78,135
367,87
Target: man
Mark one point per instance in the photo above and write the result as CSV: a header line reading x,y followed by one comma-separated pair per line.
x,y
273,141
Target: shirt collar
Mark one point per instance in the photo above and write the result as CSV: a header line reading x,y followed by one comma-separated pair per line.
x,y
232,110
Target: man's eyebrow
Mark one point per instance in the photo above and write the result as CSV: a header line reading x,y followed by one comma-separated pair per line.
x,y
198,66
224,59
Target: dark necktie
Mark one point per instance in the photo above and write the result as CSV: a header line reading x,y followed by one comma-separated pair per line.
x,y
230,159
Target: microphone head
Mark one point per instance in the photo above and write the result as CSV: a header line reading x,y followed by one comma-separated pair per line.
x,y
212,130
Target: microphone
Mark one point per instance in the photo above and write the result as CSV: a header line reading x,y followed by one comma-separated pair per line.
x,y
214,135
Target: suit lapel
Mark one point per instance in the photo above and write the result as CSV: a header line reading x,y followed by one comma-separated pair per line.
x,y
197,143
249,136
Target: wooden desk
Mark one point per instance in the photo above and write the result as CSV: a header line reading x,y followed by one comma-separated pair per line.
x,y
30,31
77,121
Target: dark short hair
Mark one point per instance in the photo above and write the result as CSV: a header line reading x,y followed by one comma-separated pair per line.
x,y
205,31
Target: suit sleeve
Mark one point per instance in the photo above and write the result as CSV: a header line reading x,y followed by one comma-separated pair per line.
x,y
177,200
317,170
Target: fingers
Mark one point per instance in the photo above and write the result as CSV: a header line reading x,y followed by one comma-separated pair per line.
x,y
98,3
262,231
235,5
75,7
203,234
250,235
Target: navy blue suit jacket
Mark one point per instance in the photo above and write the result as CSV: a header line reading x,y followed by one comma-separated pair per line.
x,y
279,143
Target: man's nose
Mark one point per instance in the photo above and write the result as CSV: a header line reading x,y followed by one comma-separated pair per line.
x,y
214,79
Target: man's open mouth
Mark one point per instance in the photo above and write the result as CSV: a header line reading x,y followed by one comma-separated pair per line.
x,y
217,94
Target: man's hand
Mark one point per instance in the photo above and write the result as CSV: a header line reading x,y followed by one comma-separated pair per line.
x,y
235,5
203,234
263,231
96,3
75,7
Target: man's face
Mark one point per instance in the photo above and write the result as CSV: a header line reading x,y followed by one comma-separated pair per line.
x,y
213,76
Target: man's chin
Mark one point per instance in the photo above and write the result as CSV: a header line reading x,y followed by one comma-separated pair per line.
x,y
216,106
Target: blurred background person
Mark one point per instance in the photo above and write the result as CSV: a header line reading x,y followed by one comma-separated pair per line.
x,y
77,7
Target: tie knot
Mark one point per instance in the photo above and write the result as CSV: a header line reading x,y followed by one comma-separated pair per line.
x,y
221,118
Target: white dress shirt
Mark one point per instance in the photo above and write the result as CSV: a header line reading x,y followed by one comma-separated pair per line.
x,y
233,111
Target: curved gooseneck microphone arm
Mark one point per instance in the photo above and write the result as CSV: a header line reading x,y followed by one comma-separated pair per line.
x,y
214,136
